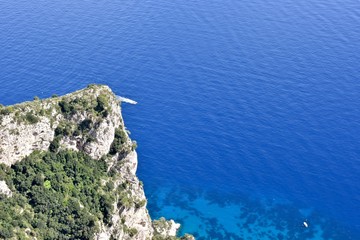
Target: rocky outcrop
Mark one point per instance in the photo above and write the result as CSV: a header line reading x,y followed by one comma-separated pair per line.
x,y
4,189
130,219
31,126
164,228
19,140
88,120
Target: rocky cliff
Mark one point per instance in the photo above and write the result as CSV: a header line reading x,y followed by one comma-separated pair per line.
x,y
87,121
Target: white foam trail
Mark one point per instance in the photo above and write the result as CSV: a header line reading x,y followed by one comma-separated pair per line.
x,y
305,224
127,100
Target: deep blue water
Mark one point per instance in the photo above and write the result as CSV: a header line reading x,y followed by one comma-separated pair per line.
x,y
248,119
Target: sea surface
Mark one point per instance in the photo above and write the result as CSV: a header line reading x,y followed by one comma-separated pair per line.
x,y
248,114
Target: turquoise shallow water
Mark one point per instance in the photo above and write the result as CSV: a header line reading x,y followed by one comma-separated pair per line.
x,y
248,114
210,215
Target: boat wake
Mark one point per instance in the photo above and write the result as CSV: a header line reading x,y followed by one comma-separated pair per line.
x,y
127,100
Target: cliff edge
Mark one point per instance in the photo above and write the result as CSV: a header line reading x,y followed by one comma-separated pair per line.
x,y
39,141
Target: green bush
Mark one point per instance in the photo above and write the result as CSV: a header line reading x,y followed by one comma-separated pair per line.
x,y
31,118
55,144
119,139
50,187
133,145
110,186
140,203
7,110
125,200
85,125
102,103
132,232
65,107
64,130
76,133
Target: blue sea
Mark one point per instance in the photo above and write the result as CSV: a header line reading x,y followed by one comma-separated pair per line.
x,y
248,114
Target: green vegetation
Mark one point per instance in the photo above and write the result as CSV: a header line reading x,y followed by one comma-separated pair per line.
x,y
6,110
85,125
56,196
102,103
131,231
140,203
63,194
31,118
98,107
163,224
64,129
133,145
28,117
92,85
119,140
20,114
68,129
185,237
55,144
124,195
159,237
160,223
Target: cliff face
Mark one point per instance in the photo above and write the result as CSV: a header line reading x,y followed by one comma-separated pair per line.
x,y
90,121
31,126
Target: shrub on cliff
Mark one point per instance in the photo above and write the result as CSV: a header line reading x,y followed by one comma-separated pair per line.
x,y
7,110
31,118
55,144
119,139
61,196
102,103
65,107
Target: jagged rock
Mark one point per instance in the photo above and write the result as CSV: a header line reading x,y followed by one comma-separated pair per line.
x,y
19,140
165,228
19,137
88,120
4,189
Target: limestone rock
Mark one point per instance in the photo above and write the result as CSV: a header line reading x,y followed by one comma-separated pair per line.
x,y
88,120
4,189
31,126
165,228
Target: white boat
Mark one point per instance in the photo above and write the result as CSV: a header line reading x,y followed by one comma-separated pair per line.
x,y
305,224
127,100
